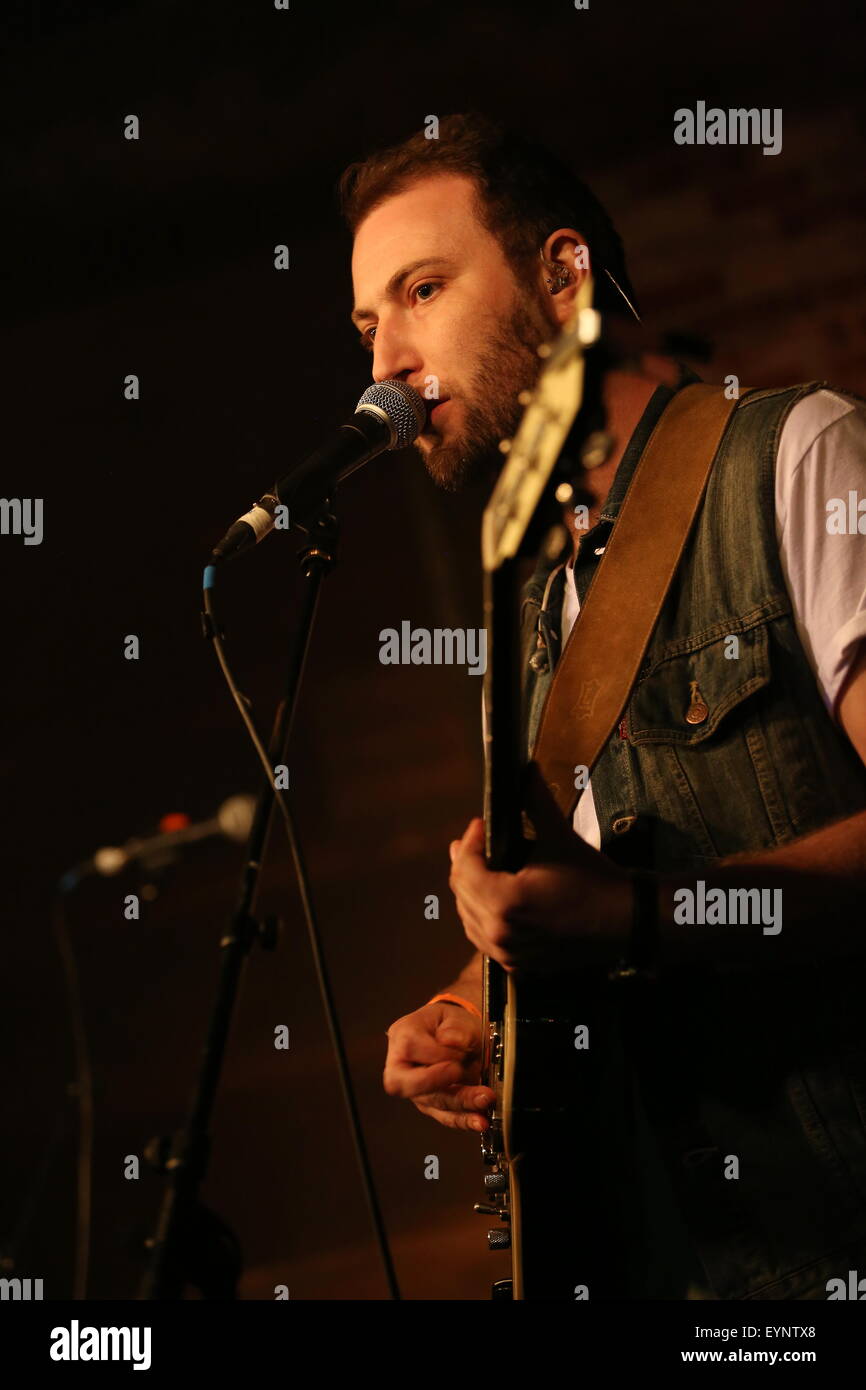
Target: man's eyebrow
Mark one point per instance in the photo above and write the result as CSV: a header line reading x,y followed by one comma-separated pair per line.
x,y
396,282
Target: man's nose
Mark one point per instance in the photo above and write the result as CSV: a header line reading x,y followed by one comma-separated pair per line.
x,y
394,357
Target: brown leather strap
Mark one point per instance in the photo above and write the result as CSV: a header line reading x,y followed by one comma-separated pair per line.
x,y
599,665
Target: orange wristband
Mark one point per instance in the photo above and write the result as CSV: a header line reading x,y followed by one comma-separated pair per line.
x,y
455,999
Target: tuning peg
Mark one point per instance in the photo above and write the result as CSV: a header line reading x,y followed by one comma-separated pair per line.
x,y
499,1239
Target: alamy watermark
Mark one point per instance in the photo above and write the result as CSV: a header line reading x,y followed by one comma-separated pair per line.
x,y
846,517
439,646
729,907
77,1343
854,1288
21,1290
22,516
737,126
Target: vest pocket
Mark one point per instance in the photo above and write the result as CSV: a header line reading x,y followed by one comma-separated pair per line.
x,y
700,744
684,698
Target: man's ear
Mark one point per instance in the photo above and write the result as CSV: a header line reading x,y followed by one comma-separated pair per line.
x,y
565,266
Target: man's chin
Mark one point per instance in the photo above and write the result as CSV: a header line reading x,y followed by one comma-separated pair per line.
x,y
451,463
463,447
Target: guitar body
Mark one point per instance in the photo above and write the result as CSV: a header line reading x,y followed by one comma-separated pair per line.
x,y
553,1134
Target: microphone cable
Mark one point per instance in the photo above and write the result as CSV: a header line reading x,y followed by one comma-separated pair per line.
x,y
244,706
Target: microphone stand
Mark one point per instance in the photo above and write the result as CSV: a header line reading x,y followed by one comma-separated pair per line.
x,y
192,1245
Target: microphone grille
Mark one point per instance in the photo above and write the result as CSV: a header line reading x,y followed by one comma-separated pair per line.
x,y
404,407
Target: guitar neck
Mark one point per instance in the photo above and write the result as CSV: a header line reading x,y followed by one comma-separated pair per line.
x,y
503,826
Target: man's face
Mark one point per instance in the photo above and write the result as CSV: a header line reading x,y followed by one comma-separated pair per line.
x,y
436,298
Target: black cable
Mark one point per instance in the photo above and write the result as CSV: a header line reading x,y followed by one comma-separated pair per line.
x,y
244,708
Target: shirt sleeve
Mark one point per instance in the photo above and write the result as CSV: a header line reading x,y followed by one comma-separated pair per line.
x,y
820,488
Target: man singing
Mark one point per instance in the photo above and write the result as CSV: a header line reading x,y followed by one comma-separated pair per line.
x,y
738,763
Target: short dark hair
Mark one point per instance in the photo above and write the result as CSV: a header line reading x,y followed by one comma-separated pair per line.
x,y
524,193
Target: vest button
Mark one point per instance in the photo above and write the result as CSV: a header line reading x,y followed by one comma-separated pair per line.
x,y
620,824
698,708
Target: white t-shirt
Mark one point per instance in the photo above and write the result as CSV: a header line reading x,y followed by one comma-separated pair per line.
x,y
821,456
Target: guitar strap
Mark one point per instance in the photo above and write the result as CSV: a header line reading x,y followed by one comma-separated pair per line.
x,y
598,667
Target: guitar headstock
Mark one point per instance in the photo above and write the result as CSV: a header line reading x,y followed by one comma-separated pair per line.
x,y
551,409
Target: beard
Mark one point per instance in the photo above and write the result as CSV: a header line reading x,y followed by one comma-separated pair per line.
x,y
509,363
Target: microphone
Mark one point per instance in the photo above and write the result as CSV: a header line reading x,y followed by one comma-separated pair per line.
x,y
389,415
233,820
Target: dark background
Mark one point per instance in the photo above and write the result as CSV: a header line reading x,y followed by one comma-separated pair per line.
x,y
156,258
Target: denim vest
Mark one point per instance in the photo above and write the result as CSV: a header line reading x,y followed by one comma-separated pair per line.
x,y
769,1067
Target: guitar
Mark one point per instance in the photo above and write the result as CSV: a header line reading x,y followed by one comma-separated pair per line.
x,y
541,1165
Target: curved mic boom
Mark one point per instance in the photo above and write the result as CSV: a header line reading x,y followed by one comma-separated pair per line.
x,y
388,416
